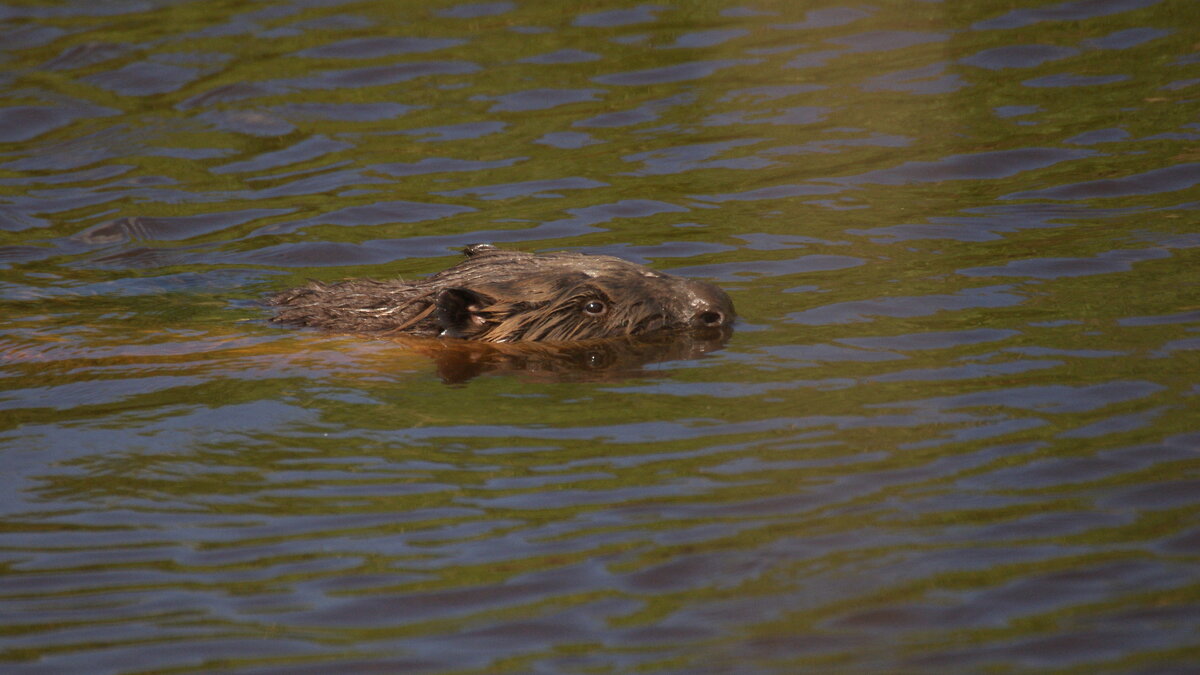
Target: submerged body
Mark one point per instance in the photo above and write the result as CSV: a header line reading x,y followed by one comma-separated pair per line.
x,y
509,296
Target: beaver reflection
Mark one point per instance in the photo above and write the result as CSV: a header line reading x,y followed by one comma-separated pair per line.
x,y
587,361
508,296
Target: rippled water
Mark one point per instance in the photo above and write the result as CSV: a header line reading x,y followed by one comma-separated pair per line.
x,y
956,429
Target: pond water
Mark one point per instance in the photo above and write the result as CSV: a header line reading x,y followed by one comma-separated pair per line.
x,y
956,428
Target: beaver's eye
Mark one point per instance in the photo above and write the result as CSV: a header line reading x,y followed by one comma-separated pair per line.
x,y
595,307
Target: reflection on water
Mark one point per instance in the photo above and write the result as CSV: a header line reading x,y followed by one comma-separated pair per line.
x,y
955,429
591,360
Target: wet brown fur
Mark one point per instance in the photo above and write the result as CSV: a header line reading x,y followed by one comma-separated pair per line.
x,y
509,296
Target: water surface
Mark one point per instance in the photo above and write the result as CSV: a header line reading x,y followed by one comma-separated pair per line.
x,y
956,429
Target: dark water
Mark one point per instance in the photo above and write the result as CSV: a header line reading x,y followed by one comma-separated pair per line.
x,y
956,429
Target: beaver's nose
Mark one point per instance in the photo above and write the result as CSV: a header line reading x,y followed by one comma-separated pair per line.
x,y
709,305
709,319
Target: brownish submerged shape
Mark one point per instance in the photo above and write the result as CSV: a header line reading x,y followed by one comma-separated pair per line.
x,y
497,295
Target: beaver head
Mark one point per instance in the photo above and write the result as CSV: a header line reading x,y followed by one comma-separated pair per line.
x,y
508,296
570,296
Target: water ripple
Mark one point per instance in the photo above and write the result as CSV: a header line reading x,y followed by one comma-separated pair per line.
x,y
888,467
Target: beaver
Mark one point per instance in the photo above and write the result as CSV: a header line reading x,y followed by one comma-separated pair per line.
x,y
498,295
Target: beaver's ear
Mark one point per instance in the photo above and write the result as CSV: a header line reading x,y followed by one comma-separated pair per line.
x,y
458,312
